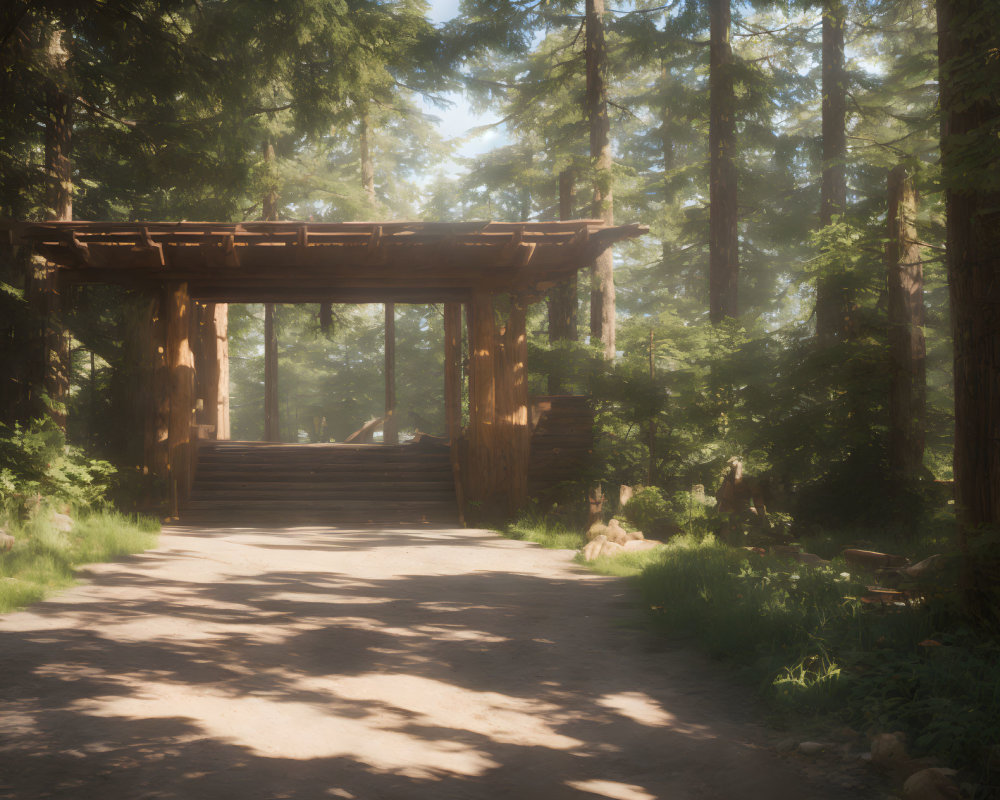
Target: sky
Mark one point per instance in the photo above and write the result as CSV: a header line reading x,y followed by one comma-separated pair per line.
x,y
456,121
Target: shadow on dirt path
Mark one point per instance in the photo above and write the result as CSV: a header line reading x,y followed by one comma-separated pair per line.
x,y
367,663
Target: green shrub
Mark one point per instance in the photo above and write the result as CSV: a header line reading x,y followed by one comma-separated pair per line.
x,y
804,638
36,462
660,516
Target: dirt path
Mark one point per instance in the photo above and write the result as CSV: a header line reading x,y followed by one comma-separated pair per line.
x,y
368,664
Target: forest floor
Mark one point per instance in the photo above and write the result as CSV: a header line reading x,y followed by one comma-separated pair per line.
x,y
373,663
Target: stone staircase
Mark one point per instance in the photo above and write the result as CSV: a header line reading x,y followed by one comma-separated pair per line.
x,y
288,484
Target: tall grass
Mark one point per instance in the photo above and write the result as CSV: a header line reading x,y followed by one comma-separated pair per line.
x,y
814,650
44,559
812,647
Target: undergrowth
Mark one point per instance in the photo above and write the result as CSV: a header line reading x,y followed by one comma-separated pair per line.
x,y
44,559
814,649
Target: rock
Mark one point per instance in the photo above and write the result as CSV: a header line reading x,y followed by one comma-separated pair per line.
x,y
6,540
638,545
593,548
62,522
611,549
934,783
616,533
785,745
595,530
812,560
625,493
811,748
632,535
889,750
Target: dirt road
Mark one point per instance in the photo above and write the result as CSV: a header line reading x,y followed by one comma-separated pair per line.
x,y
371,664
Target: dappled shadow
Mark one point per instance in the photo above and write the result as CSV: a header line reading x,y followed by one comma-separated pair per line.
x,y
362,671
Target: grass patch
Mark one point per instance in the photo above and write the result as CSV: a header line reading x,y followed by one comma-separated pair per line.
x,y
813,649
553,535
44,559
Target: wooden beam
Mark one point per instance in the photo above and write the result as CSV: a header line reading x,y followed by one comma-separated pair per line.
x,y
180,365
271,427
390,431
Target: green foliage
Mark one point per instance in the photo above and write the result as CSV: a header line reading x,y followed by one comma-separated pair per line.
x,y
36,461
804,638
660,515
43,559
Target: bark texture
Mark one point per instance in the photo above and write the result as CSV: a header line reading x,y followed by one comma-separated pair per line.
x,y
968,40
180,364
390,431
272,430
367,165
562,296
724,265
833,301
602,286
907,353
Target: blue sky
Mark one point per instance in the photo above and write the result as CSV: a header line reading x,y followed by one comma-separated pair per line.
x,y
456,121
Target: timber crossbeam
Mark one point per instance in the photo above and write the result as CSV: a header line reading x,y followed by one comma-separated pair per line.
x,y
336,262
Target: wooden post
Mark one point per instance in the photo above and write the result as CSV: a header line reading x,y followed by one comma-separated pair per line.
x,y
482,400
213,367
180,364
271,429
513,436
453,394
157,433
390,433
452,367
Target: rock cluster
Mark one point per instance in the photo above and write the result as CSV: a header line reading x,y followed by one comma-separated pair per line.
x,y
613,540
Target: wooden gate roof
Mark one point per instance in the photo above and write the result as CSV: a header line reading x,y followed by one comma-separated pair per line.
x,y
323,261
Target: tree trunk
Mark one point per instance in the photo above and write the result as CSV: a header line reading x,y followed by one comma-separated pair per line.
x,y
562,296
390,431
54,340
602,285
272,428
907,354
967,46
367,165
724,265
833,300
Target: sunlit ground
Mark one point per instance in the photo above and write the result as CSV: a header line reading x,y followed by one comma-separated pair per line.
x,y
365,663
